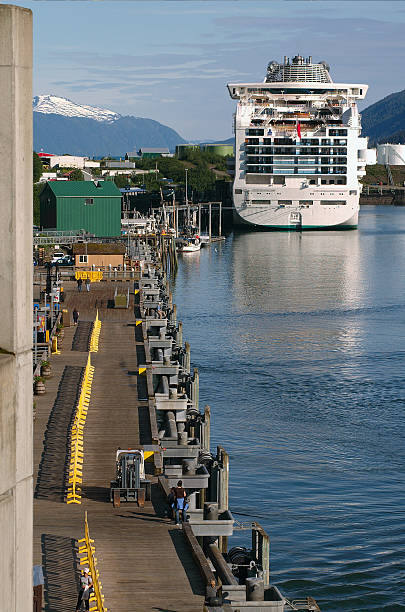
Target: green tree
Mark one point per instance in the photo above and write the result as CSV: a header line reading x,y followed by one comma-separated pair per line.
x,y
121,180
76,175
37,167
38,187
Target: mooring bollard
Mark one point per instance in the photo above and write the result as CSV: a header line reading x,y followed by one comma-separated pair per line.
x,y
210,511
254,589
171,424
182,438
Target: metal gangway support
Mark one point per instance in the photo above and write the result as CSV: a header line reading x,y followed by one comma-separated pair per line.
x,y
46,237
389,173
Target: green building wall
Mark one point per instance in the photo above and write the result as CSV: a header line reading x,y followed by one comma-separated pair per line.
x,y
70,212
103,218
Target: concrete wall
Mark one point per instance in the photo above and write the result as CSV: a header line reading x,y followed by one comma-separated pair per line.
x,y
16,309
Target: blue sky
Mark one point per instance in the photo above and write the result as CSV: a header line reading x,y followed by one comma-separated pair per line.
x,y
170,61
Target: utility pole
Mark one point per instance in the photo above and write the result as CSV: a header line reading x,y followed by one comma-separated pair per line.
x,y
186,198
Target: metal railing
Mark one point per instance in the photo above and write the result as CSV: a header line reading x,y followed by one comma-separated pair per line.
x,y
389,173
95,276
73,495
87,549
95,335
60,237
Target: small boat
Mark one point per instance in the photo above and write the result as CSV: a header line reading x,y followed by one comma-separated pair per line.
x,y
204,239
190,245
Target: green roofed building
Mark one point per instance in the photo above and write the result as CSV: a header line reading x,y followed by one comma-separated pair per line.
x,y
74,205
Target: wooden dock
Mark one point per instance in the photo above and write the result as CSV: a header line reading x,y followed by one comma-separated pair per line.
x,y
143,559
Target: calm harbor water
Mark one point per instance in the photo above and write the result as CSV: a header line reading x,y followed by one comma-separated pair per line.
x,y
300,343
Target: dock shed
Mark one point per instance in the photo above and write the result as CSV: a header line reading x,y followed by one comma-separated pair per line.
x,y
98,254
74,205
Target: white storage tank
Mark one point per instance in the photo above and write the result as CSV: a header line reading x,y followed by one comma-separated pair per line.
x,y
392,154
371,157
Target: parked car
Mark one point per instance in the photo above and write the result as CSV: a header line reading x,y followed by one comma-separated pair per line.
x,y
66,260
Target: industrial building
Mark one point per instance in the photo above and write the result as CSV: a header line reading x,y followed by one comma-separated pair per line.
x,y
182,149
74,205
218,149
67,161
146,152
98,255
112,163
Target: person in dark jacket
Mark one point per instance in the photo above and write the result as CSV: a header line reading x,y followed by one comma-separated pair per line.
x,y
79,284
75,315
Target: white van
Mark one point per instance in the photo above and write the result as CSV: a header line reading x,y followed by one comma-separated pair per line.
x,y
57,256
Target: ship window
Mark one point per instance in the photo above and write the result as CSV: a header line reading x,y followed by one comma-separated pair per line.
x,y
260,202
238,190
341,181
82,258
337,132
285,202
306,202
352,192
332,182
88,202
333,202
255,132
312,182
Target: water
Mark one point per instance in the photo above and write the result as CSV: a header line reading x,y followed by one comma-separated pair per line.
x,y
300,343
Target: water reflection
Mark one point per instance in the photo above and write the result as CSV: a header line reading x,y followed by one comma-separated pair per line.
x,y
299,342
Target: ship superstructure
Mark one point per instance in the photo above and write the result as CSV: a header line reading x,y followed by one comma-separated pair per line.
x,y
298,150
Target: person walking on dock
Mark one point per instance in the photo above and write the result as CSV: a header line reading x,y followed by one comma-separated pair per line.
x,y
79,284
86,584
75,316
159,311
180,502
87,284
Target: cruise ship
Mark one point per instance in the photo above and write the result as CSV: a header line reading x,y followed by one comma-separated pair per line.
x,y
298,151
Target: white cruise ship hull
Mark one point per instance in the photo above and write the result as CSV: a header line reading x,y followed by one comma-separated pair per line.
x,y
292,219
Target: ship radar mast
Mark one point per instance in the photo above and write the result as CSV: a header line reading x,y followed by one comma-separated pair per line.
x,y
298,69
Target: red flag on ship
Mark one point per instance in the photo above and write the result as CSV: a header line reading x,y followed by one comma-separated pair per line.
x,y
298,130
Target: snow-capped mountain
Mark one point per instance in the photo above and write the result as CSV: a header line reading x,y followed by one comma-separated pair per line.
x,y
54,105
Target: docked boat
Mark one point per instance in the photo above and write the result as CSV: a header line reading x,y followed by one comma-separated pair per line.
x,y
190,245
298,150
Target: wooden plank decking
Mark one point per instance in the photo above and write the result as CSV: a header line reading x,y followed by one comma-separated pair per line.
x,y
143,560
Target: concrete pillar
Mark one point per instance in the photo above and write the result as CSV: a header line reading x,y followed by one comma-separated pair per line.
x,y
16,594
